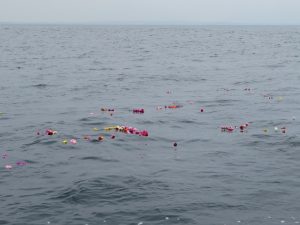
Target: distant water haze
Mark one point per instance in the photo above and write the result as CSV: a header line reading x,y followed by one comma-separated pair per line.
x,y
151,12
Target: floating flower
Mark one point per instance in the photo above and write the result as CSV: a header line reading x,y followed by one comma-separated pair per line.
x,y
173,106
100,138
107,110
50,132
73,141
227,128
21,163
87,138
283,130
8,166
141,111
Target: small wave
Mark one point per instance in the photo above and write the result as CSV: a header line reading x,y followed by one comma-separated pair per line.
x,y
40,86
94,123
98,159
112,190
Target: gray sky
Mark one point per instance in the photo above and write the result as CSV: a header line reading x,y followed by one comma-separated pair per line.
x,y
151,11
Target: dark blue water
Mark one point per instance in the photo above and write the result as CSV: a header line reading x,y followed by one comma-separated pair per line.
x,y
58,77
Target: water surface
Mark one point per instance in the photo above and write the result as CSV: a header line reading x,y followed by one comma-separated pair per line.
x,y
56,76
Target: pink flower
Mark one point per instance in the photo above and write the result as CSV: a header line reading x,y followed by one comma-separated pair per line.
x,y
8,166
227,128
144,133
73,141
21,163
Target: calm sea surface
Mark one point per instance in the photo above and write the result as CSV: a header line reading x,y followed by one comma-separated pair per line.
x,y
59,77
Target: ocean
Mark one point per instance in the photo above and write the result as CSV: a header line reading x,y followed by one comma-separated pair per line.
x,y
227,96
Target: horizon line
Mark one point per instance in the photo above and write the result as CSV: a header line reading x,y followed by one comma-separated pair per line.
x,y
137,23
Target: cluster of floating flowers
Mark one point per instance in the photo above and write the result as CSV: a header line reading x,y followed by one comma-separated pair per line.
x,y
144,133
10,166
123,129
232,128
276,129
107,110
172,106
271,97
244,127
128,130
48,132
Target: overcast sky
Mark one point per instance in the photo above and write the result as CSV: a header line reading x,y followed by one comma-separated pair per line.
x,y
151,11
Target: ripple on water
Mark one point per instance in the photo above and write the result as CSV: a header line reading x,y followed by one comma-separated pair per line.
x,y
100,159
109,190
